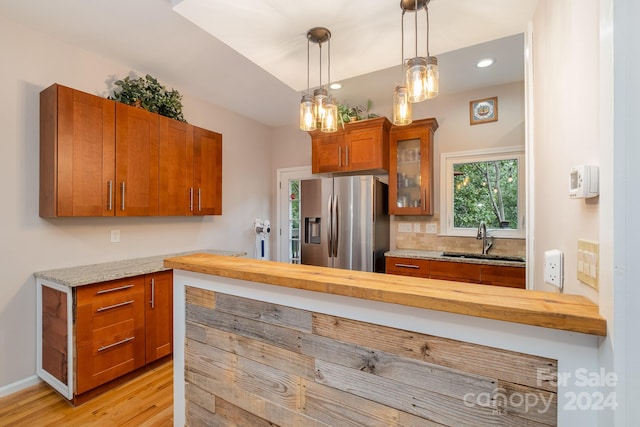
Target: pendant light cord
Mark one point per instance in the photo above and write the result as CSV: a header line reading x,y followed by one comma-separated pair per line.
x,y
402,48
416,25
308,91
320,47
329,61
426,9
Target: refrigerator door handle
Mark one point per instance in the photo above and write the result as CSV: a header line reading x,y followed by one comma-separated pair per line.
x,y
328,225
336,213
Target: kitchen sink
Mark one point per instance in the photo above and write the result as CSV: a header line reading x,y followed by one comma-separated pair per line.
x,y
483,256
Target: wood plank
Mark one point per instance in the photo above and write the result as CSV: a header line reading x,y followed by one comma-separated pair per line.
x,y
264,409
280,358
286,338
537,308
431,406
200,297
428,376
485,361
327,404
274,314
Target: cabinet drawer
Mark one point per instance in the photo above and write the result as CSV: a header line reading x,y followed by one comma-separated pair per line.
x,y
108,292
512,277
110,331
408,266
457,271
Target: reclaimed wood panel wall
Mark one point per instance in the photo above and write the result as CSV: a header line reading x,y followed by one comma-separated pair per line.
x,y
251,363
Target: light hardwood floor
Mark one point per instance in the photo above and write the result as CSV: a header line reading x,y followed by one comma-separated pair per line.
x,y
146,400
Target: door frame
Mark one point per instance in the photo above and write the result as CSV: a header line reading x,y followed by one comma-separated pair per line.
x,y
284,175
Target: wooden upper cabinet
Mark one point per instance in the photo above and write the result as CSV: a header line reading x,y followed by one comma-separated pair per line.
x,y
361,146
77,153
207,172
99,157
137,144
411,168
176,167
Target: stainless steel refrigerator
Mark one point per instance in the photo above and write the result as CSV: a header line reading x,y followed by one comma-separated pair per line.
x,y
345,222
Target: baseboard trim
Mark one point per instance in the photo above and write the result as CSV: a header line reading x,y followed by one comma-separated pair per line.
x,y
19,385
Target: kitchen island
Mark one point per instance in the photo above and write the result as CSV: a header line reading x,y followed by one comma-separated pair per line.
x,y
303,345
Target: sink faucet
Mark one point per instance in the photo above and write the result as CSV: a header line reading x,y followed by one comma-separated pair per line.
x,y
487,241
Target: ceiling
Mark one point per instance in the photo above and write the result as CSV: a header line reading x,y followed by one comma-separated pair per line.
x,y
252,57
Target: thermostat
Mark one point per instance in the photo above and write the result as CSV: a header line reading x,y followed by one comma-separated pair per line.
x,y
583,182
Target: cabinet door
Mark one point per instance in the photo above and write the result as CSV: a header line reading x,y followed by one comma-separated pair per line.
x,y
137,142
327,152
110,331
176,167
499,275
207,172
367,149
159,315
77,151
458,271
411,168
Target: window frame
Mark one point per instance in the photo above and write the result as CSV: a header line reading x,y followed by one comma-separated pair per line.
x,y
447,160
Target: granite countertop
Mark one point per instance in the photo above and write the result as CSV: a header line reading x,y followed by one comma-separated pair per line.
x,y
504,260
95,273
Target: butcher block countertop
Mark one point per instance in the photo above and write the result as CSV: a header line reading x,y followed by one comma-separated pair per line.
x,y
558,311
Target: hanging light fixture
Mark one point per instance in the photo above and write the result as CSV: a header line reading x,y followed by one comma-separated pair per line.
x,y
319,111
402,114
421,72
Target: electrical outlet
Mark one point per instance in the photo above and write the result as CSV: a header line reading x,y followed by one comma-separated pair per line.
x,y
553,273
115,236
432,228
416,227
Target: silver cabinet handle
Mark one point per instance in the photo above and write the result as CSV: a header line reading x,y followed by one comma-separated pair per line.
x,y
336,221
339,156
199,199
153,293
191,199
110,203
106,347
407,266
119,288
329,225
346,150
122,202
109,307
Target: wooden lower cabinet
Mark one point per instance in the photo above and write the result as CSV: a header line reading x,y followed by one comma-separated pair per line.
x,y
158,315
92,334
486,274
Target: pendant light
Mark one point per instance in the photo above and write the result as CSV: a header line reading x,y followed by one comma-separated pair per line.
x,y
319,111
402,114
421,72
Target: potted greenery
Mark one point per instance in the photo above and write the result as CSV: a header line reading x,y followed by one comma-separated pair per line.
x,y
146,92
348,114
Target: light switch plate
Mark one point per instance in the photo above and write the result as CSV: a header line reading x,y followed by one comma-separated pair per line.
x,y
588,262
404,227
115,236
553,270
416,227
432,228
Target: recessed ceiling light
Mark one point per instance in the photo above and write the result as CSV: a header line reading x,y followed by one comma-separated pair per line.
x,y
486,62
336,86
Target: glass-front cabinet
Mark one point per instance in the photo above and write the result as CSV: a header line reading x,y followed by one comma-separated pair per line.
x,y
294,221
411,168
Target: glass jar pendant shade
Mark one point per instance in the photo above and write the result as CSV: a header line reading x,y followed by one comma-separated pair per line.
x,y
422,78
318,111
402,111
421,73
307,114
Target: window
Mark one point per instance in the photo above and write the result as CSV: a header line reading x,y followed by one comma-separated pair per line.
x,y
487,186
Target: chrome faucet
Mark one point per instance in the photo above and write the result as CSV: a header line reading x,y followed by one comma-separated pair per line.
x,y
487,241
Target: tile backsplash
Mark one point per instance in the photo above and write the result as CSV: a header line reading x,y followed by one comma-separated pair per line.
x,y
418,238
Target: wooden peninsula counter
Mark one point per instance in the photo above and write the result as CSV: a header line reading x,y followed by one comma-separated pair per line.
x,y
261,342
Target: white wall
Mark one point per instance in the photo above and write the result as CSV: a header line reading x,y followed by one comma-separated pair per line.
x,y
32,62
567,131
